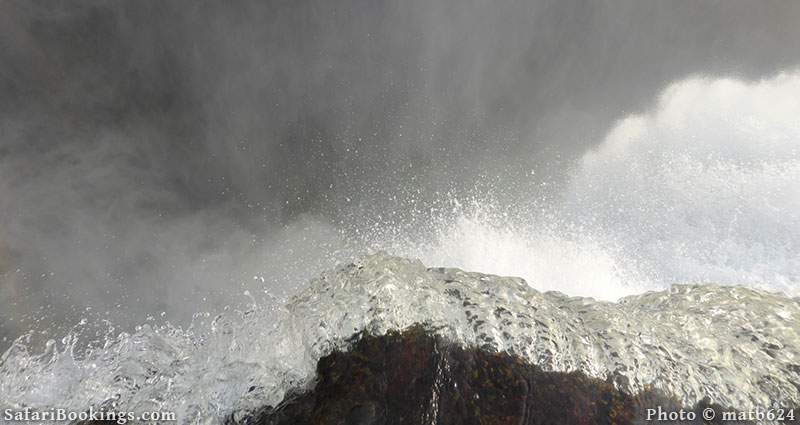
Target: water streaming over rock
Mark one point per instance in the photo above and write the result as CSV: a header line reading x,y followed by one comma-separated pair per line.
x,y
738,346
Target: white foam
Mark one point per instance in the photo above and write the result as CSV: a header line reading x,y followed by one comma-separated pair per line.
x,y
541,251
705,187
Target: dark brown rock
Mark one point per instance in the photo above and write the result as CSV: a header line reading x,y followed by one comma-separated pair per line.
x,y
413,378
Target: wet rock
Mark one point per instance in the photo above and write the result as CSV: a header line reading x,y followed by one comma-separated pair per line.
x,y
414,378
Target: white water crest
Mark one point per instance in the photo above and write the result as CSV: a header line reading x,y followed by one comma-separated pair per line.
x,y
736,345
544,249
705,187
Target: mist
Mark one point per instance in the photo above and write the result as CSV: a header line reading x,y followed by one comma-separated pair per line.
x,y
175,157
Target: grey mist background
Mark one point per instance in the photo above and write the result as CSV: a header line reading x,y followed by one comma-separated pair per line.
x,y
155,156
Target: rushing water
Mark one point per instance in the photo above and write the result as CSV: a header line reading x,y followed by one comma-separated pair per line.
x,y
704,187
699,192
738,346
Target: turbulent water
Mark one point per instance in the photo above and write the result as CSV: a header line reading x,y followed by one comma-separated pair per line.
x,y
700,191
738,346
703,187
